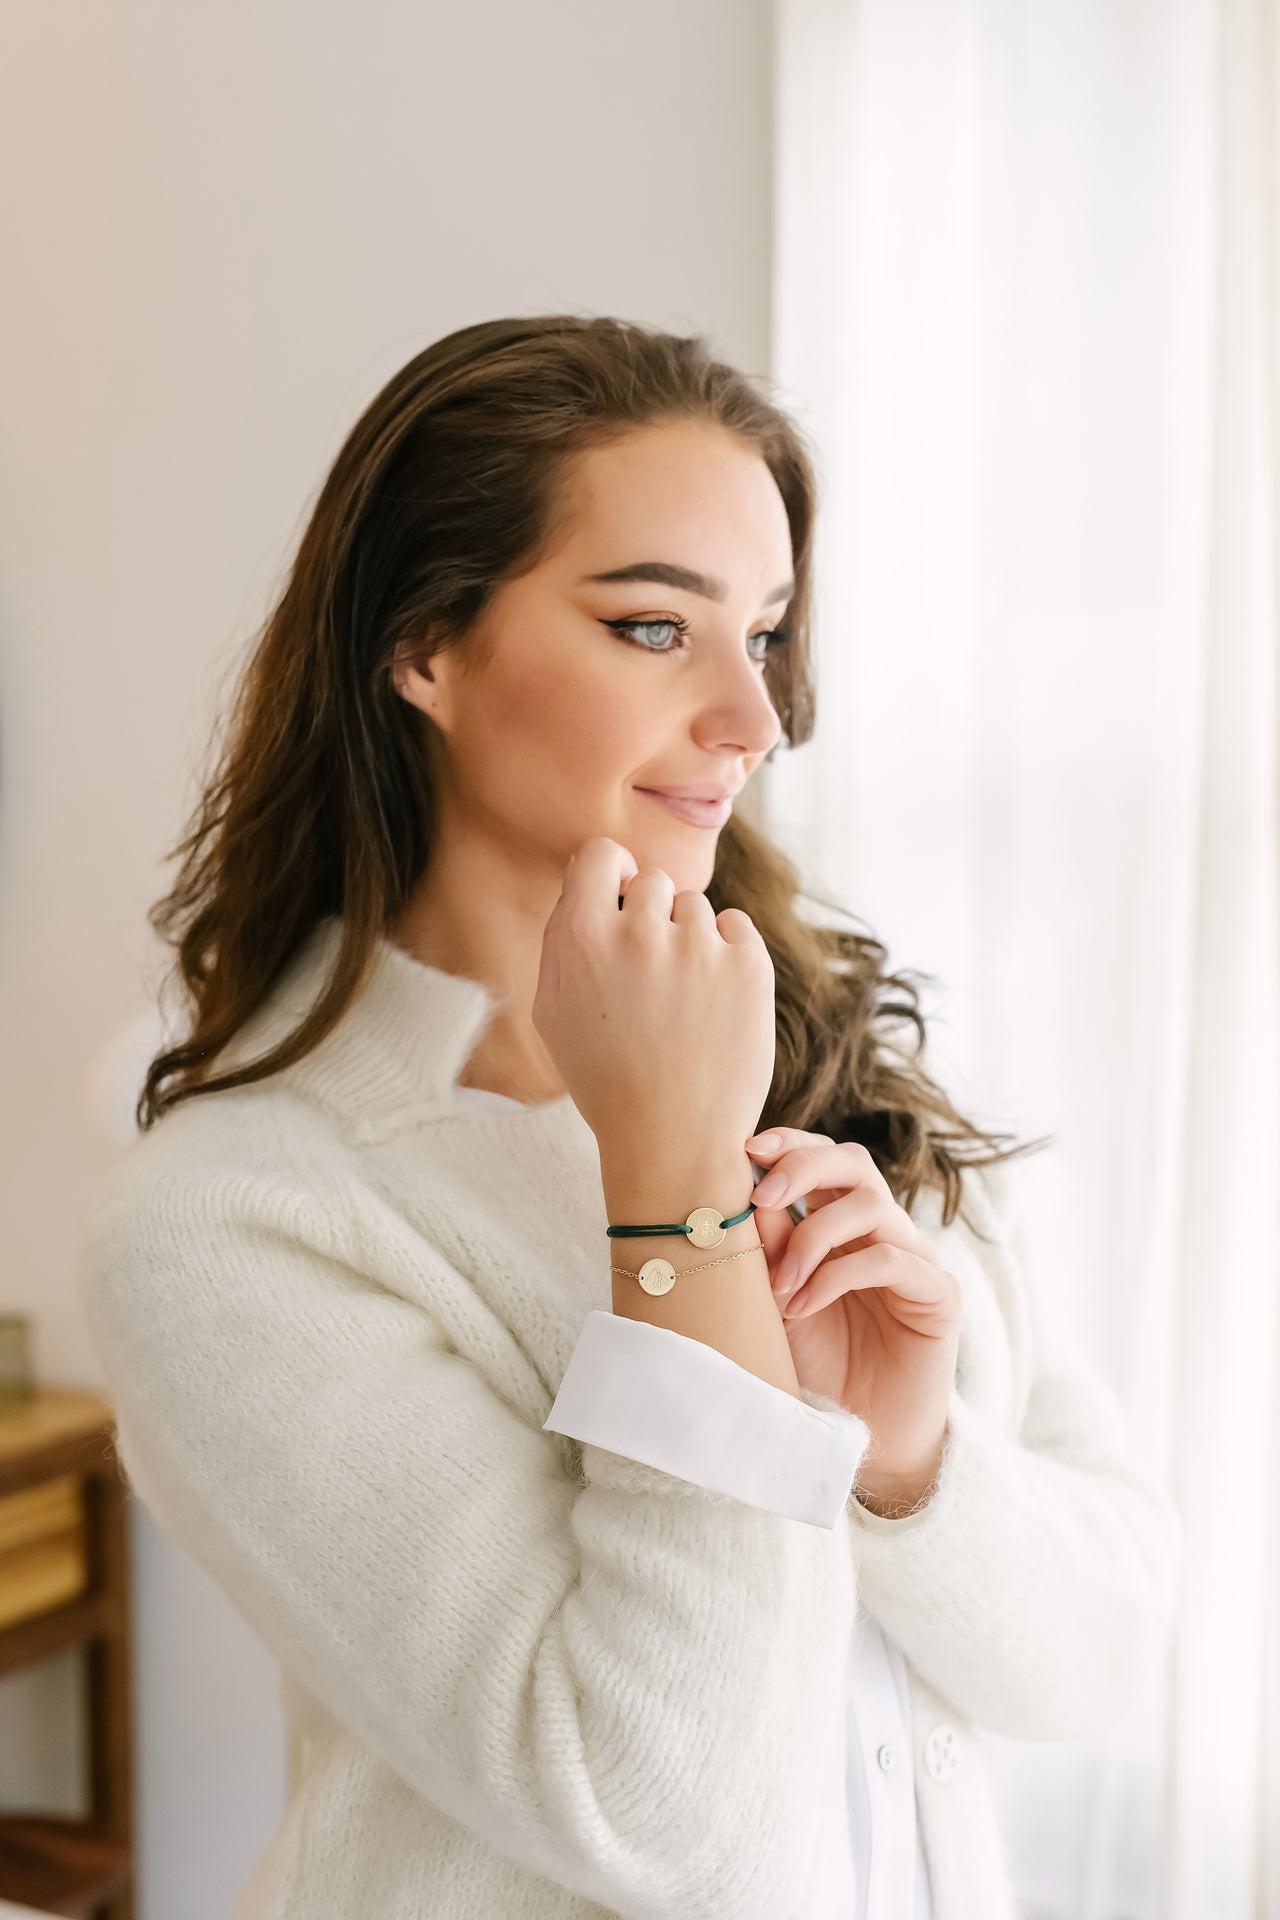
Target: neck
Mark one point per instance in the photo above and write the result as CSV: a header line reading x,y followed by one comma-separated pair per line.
x,y
480,911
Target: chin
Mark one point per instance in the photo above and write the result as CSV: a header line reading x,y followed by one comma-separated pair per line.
x,y
689,872
662,839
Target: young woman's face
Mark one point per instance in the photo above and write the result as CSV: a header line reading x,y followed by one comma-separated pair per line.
x,y
579,709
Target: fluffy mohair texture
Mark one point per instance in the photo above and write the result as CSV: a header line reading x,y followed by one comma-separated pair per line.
x,y
537,1678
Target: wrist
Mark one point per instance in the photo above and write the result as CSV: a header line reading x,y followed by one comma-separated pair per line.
x,y
727,1303
892,1495
664,1187
894,1506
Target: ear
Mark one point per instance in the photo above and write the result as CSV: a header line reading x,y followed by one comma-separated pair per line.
x,y
407,652
412,675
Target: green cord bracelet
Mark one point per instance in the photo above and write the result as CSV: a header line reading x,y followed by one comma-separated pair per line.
x,y
706,1226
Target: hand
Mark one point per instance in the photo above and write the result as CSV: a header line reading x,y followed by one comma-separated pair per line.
x,y
657,1011
873,1321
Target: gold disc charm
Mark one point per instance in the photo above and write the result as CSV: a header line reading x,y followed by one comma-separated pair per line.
x,y
706,1227
657,1276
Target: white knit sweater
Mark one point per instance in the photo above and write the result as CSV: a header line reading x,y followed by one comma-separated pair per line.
x,y
539,1679
658,1396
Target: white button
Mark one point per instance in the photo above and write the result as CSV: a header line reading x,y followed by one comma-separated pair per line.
x,y
885,1756
941,1752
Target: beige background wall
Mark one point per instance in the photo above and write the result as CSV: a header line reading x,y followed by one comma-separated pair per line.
x,y
222,227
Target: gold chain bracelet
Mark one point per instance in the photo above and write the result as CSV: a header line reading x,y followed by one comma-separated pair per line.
x,y
659,1276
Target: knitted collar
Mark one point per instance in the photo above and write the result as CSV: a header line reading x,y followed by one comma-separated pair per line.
x,y
397,1049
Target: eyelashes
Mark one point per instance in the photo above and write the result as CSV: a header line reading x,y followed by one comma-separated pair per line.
x,y
774,638
624,629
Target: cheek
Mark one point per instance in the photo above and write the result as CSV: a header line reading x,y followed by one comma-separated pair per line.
x,y
586,727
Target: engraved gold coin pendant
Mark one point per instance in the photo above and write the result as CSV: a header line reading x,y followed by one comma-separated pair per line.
x,y
706,1227
657,1276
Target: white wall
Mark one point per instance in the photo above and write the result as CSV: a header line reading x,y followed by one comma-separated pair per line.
x,y
222,228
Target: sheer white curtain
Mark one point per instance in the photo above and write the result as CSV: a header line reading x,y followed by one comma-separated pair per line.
x,y
1027,293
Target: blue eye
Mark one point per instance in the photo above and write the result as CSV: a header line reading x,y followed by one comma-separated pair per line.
x,y
623,627
775,637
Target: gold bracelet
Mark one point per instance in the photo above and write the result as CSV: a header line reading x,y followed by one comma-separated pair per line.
x,y
659,1276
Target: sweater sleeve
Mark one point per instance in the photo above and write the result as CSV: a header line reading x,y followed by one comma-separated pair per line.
x,y
629,1684
658,1396
1038,1586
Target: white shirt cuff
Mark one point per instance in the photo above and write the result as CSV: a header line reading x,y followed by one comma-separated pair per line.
x,y
677,1404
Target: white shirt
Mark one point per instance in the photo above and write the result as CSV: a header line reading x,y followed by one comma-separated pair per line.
x,y
606,1396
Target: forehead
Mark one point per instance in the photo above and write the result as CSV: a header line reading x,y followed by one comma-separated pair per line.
x,y
688,492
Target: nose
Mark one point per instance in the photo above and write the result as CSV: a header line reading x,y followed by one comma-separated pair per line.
x,y
739,714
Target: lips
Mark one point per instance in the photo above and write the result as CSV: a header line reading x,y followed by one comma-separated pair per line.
x,y
696,813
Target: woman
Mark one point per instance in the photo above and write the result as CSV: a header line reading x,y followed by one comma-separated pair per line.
x,y
644,1582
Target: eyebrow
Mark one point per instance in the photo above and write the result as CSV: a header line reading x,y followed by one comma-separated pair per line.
x,y
666,575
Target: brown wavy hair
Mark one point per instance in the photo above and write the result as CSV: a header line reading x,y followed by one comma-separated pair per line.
x,y
321,801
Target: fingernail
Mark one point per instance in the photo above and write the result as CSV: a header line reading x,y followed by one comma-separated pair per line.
x,y
770,1189
765,1141
785,1278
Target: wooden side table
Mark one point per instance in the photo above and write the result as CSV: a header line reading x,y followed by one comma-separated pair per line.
x,y
78,1868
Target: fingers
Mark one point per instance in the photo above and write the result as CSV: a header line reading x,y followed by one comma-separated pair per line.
x,y
775,1230
736,926
923,1295
847,1217
601,862
809,1160
854,1200
650,893
597,874
653,891
692,907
